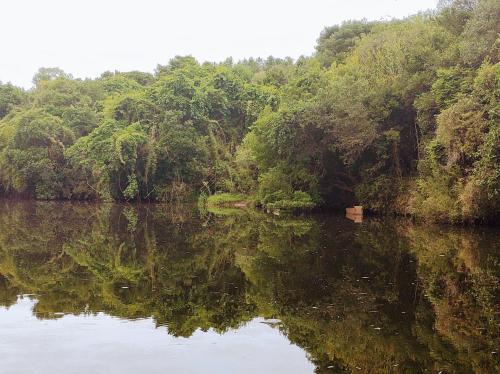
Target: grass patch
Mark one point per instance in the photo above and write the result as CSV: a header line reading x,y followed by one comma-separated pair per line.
x,y
227,200
296,202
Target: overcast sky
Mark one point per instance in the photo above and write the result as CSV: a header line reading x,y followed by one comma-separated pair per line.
x,y
88,37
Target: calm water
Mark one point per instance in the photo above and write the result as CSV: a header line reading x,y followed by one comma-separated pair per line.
x,y
148,289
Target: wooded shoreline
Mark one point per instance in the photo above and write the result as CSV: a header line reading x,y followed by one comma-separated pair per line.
x,y
401,117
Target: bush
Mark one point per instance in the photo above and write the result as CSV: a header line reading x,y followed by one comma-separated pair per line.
x,y
225,199
299,200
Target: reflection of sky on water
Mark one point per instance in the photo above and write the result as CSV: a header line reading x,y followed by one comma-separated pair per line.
x,y
104,344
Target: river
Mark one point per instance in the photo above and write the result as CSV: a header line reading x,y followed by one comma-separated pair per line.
x,y
109,288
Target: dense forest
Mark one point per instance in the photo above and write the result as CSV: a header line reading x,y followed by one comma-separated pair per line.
x,y
400,116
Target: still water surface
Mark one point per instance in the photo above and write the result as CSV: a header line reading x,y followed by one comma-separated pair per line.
x,y
149,289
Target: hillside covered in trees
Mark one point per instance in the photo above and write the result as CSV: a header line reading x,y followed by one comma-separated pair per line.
x,y
400,116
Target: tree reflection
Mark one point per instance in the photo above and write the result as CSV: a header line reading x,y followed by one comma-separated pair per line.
x,y
383,296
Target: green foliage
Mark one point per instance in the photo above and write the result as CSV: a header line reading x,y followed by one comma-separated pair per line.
x,y
47,74
449,84
480,38
225,199
10,97
459,175
454,14
335,42
32,156
397,115
276,193
298,201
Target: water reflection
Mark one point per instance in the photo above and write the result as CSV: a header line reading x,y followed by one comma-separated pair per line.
x,y
382,296
98,343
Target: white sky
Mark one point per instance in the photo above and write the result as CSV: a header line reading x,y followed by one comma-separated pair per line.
x,y
88,37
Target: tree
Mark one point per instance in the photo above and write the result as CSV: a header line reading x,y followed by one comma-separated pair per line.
x,y
46,74
10,97
480,38
335,42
